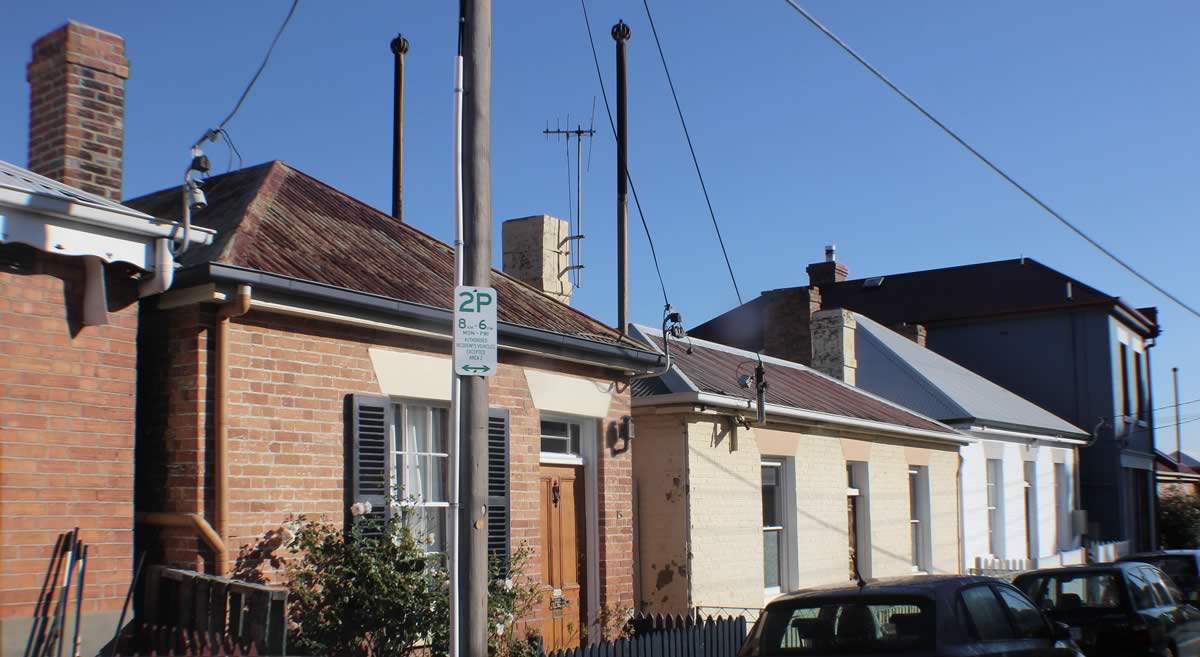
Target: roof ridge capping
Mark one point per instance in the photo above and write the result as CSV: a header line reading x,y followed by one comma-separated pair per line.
x,y
951,432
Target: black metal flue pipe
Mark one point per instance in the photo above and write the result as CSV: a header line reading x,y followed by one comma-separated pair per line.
x,y
620,34
399,48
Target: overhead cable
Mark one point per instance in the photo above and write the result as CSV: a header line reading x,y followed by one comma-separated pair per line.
x,y
962,142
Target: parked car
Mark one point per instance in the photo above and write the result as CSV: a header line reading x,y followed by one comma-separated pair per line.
x,y
1182,565
1125,608
928,615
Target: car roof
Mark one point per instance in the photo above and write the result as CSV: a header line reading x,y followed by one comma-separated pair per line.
x,y
1090,568
1160,553
916,585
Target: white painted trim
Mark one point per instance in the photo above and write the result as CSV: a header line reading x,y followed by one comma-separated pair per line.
x,y
951,436
123,219
572,395
554,458
411,375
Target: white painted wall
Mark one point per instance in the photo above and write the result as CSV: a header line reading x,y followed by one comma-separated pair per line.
x,y
1013,455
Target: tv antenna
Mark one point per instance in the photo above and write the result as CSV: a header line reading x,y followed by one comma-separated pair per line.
x,y
574,255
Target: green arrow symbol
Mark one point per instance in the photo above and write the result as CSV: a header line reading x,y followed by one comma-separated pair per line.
x,y
476,368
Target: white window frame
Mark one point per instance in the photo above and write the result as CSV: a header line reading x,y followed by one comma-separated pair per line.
x,y
786,491
859,473
1062,506
1029,471
397,451
918,481
994,491
588,455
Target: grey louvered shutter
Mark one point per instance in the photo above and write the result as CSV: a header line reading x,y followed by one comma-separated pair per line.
x,y
371,473
498,517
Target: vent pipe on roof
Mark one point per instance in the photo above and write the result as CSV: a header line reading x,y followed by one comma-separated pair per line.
x,y
620,34
830,253
399,47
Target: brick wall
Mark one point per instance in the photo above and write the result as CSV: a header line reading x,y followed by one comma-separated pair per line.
x,y
77,108
66,430
288,383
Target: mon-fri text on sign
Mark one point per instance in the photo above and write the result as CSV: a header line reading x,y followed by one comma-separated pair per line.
x,y
474,331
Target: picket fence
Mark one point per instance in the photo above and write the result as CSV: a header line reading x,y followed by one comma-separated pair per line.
x,y
670,636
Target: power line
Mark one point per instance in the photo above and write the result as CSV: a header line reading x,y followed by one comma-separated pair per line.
x,y
1021,188
261,67
692,149
611,124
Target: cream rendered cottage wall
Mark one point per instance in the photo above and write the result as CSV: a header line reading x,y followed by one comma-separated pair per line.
x,y
699,485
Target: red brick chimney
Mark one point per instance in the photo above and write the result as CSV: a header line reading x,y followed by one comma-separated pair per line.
x,y
77,108
828,272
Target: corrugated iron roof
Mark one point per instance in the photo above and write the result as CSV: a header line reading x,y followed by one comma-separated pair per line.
x,y
276,219
894,367
24,180
715,368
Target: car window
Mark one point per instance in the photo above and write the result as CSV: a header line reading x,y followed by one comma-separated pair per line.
x,y
986,615
1158,582
1141,591
1180,568
1029,621
812,627
1066,591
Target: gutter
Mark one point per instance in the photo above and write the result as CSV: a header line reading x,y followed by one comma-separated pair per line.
x,y
275,292
735,403
986,432
123,219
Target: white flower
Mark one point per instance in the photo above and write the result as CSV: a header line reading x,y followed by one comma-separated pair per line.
x,y
360,508
499,629
508,584
431,539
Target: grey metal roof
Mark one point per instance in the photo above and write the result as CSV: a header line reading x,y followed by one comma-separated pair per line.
x,y
892,366
23,180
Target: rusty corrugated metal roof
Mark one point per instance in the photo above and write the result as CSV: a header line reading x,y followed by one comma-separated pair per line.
x,y
276,219
715,368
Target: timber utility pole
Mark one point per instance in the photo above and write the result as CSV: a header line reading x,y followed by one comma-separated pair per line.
x,y
477,269
620,34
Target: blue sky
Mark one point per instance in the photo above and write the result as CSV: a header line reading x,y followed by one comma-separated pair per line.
x,y
1092,105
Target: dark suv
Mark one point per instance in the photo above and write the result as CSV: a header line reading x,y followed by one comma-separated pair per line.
x,y
1182,565
1124,609
938,615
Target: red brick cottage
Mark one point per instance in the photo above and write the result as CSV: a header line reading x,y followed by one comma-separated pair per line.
x,y
312,335
73,264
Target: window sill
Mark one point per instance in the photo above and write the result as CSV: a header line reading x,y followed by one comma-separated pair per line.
x,y
560,459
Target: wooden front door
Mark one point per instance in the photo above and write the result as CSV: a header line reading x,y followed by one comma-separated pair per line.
x,y
563,564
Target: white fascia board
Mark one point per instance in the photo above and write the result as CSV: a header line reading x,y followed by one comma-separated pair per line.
x,y
1001,434
128,221
735,403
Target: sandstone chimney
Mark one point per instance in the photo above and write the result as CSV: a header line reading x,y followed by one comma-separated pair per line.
x,y
535,252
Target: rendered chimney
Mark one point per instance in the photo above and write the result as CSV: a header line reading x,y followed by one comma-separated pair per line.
x,y
828,272
833,344
77,108
533,255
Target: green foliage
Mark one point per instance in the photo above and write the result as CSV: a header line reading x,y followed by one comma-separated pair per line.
x,y
512,596
1179,521
368,592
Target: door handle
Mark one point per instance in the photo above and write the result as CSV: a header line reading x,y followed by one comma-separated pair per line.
x,y
555,493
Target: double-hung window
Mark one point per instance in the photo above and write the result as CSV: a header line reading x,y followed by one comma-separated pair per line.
x,y
919,511
995,507
421,469
774,525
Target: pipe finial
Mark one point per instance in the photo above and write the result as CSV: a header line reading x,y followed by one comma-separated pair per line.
x,y
620,31
399,45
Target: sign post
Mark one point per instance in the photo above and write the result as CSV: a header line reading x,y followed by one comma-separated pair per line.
x,y
474,331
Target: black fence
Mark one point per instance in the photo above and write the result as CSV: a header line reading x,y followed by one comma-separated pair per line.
x,y
670,636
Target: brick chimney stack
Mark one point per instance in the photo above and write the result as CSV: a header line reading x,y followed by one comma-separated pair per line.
x,y
828,272
77,108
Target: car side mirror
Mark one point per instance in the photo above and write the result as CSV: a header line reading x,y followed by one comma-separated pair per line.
x,y
1062,631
